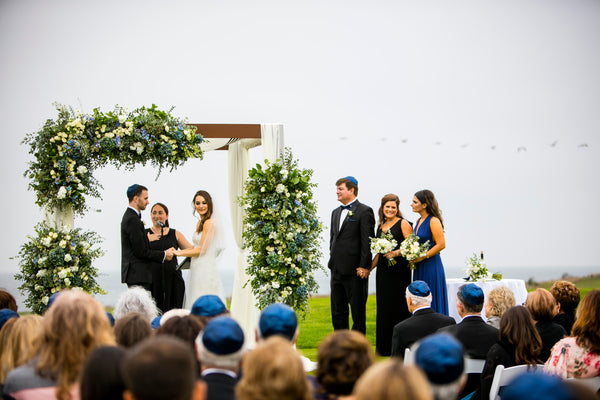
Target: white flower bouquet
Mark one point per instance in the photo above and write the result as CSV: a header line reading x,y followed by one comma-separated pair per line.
x,y
477,270
383,245
411,249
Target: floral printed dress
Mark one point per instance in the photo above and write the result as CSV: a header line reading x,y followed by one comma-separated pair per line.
x,y
569,360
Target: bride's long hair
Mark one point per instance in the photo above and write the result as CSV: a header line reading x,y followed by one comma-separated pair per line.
x,y
209,212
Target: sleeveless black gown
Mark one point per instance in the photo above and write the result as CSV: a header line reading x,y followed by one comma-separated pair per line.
x,y
168,287
391,282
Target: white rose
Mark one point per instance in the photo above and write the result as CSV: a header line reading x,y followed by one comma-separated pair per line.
x,y
67,282
280,188
45,299
38,288
41,273
62,193
63,243
82,169
68,257
63,274
275,285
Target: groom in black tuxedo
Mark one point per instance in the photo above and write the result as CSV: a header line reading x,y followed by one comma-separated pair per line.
x,y
352,225
135,248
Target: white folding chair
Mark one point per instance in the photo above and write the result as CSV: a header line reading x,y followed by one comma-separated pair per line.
x,y
503,376
592,383
409,357
473,365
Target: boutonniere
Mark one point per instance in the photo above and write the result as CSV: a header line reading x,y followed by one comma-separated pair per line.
x,y
350,213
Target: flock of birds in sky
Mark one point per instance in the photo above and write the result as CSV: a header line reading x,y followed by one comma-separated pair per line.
x,y
464,145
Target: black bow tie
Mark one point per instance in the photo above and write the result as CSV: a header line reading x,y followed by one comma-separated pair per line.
x,y
346,207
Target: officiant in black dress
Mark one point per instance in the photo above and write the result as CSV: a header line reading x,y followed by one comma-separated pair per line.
x,y
391,280
168,287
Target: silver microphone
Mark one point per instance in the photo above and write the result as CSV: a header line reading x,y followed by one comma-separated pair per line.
x,y
160,223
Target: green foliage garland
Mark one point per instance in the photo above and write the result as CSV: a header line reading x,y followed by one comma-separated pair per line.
x,y
283,233
57,259
69,149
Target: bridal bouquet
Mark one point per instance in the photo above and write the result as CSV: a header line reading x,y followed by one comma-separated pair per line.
x,y
411,249
477,270
383,245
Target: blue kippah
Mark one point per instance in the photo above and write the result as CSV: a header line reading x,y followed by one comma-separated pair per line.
x,y
5,315
156,322
441,357
352,179
537,386
419,288
472,294
51,299
222,336
208,305
278,319
111,319
131,189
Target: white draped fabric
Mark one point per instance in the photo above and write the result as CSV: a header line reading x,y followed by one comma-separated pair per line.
x,y
243,308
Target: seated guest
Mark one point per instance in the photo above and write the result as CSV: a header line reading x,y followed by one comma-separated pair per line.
x,y
135,299
543,307
5,332
6,314
442,359
74,325
161,368
185,328
208,307
424,321
391,380
7,300
567,296
220,351
273,371
578,356
280,319
498,300
472,332
101,376
131,329
519,344
342,357
538,386
18,347
173,312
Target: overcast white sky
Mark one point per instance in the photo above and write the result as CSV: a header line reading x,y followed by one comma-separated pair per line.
x,y
403,95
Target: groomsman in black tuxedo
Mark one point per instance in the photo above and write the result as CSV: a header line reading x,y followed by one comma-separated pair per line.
x,y
135,248
352,225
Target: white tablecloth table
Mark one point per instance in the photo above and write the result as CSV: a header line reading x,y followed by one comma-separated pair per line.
x,y
452,285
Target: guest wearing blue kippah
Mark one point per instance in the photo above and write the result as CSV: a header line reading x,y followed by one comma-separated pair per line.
x,y
475,335
136,254
424,321
391,280
430,227
352,226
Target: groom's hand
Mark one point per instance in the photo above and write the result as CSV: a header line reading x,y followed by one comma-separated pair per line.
x,y
363,272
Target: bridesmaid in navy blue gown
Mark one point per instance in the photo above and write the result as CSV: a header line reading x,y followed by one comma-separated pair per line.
x,y
392,280
430,269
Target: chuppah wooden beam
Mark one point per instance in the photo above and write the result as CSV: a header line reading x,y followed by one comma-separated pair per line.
x,y
241,131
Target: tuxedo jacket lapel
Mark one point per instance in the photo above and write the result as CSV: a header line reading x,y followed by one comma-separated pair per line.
x,y
336,221
350,210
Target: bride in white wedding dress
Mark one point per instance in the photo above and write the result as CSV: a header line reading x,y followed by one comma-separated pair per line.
x,y
208,244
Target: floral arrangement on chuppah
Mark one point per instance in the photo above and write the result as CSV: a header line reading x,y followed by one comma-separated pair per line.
x,y
57,259
282,232
477,269
67,151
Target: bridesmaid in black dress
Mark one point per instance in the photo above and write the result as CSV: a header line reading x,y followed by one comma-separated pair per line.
x,y
391,280
168,287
